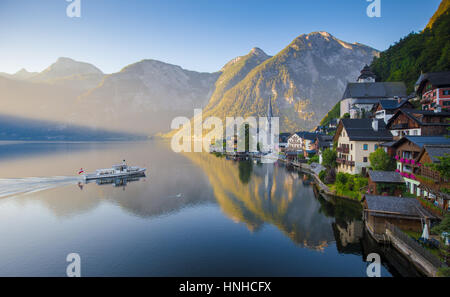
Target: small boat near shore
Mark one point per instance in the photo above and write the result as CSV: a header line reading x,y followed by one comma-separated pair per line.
x,y
117,171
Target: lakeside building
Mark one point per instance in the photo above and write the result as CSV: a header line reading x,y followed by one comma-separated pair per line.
x,y
433,186
406,152
360,97
385,182
433,89
405,213
385,109
415,122
356,139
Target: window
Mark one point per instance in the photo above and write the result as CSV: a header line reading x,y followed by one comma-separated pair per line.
x,y
351,146
446,103
446,92
365,147
365,159
376,146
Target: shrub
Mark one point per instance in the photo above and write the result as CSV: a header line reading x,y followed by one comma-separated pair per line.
x,y
330,176
322,175
341,178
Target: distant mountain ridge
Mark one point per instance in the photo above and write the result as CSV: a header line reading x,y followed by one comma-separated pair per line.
x,y
302,81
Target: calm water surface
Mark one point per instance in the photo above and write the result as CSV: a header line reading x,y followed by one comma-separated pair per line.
x,y
193,215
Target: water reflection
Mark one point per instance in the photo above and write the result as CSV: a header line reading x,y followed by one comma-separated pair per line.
x,y
273,222
115,181
273,195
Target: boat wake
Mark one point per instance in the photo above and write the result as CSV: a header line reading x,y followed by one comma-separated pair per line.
x,y
10,187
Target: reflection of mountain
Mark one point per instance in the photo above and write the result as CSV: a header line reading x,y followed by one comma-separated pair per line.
x,y
272,195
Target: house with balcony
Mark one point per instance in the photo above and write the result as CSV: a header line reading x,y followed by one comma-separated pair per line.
x,y
434,90
385,109
356,139
412,122
407,151
433,186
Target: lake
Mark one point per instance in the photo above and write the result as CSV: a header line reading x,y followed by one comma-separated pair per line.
x,y
193,215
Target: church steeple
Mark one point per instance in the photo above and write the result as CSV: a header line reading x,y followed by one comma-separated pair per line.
x,y
269,110
366,75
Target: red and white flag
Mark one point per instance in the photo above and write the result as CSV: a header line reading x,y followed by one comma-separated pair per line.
x,y
81,171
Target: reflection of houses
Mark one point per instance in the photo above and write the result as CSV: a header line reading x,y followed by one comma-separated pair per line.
x,y
418,123
432,184
434,90
385,109
405,213
356,139
389,182
364,94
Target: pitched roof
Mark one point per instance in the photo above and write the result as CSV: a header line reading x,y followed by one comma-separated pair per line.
x,y
395,206
366,72
361,129
436,78
389,104
421,141
436,151
308,135
418,115
386,177
375,90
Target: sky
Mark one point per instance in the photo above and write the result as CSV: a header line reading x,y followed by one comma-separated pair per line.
x,y
200,35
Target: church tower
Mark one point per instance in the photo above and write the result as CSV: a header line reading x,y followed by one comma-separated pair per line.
x,y
367,76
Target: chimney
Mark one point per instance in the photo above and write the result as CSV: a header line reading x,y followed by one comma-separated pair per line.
x,y
399,100
375,124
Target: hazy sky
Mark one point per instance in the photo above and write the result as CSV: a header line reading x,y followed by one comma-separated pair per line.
x,y
198,35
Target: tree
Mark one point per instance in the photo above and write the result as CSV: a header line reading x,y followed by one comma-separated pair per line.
x,y
329,158
443,167
381,161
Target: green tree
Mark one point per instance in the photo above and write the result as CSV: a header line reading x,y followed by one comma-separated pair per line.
x,y
380,160
329,158
443,167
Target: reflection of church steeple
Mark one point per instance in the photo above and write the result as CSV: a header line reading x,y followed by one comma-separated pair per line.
x,y
269,115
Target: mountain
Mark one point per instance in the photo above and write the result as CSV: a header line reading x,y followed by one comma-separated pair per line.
x,y
427,51
22,74
443,7
235,71
147,95
302,81
70,73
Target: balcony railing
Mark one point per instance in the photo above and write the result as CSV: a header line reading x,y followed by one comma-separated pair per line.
x,y
345,162
399,126
342,149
